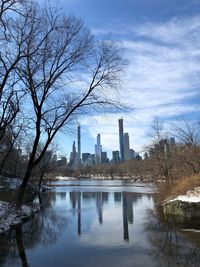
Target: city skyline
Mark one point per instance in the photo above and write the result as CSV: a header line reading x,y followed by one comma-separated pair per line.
x,y
122,151
160,40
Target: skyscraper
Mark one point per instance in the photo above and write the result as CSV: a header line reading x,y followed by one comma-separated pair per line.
x,y
126,147
98,150
115,156
104,157
121,139
73,155
79,144
132,153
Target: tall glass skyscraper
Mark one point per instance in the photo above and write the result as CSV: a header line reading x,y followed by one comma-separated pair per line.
x,y
126,147
98,150
121,139
79,143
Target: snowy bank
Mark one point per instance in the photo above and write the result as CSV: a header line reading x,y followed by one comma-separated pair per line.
x,y
187,205
65,178
11,216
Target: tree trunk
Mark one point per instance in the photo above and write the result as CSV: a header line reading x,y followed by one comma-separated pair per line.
x,y
22,188
40,180
20,246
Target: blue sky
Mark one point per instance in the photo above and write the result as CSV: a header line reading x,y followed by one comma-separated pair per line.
x,y
161,41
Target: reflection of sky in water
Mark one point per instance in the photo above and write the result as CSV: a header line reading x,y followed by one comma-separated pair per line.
x,y
86,228
103,186
104,218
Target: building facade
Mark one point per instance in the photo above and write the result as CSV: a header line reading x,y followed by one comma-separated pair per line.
x,y
126,147
121,139
79,145
98,150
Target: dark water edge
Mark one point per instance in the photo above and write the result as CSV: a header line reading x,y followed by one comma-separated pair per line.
x,y
99,223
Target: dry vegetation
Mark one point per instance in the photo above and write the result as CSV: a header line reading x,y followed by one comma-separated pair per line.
x,y
178,187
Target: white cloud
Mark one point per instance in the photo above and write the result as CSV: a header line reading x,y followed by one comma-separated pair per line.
x,y
162,78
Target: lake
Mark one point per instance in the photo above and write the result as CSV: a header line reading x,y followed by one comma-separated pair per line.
x,y
99,223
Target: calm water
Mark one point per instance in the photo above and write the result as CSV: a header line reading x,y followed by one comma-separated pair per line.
x,y
99,223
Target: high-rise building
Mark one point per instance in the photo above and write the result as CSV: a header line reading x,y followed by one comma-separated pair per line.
x,y
126,147
115,156
73,155
132,153
85,157
104,157
98,150
47,157
79,144
62,162
121,139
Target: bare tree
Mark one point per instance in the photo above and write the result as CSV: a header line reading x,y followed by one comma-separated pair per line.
x,y
13,16
188,153
9,154
65,76
160,152
8,7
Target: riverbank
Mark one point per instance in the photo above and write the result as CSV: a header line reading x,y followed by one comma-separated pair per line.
x,y
133,179
181,198
10,215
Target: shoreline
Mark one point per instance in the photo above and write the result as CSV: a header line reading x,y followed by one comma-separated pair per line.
x,y
12,217
135,179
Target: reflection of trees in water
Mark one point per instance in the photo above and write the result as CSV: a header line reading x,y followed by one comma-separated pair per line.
x,y
43,228
170,244
20,246
47,226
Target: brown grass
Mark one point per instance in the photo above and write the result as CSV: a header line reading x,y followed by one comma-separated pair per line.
x,y
168,191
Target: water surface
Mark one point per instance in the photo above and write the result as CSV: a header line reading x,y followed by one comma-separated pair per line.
x,y
99,223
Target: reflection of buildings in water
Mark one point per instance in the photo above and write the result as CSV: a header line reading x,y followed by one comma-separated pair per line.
x,y
128,214
117,196
129,207
79,213
105,197
125,217
63,195
100,197
53,197
88,195
73,199
99,203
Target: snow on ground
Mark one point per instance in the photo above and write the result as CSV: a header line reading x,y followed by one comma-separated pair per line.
x,y
191,196
187,198
11,183
10,215
191,230
64,178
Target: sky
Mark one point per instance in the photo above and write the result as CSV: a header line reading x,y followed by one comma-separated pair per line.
x,y
161,41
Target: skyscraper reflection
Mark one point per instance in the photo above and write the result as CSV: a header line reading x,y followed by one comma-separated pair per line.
x,y
117,196
125,217
79,213
126,199
99,202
